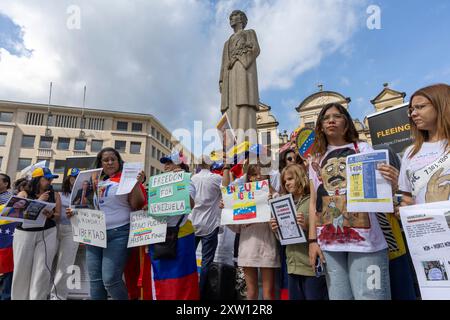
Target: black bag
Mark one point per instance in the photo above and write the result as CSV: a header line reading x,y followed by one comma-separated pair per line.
x,y
168,249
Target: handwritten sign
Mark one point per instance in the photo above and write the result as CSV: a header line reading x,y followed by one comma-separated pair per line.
x,y
246,203
89,227
145,229
168,194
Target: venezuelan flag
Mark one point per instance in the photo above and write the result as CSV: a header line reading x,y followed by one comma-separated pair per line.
x,y
177,279
6,240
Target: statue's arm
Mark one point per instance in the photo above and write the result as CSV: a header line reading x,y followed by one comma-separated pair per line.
x,y
224,65
251,56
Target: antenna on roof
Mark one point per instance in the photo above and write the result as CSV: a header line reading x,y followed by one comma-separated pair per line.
x,y
83,118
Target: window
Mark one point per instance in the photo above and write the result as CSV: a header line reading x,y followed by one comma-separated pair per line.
x,y
120,146
1,161
152,171
35,119
2,138
28,141
154,152
158,154
122,126
80,144
6,116
310,125
153,131
60,166
47,162
95,123
63,121
96,145
23,163
266,138
46,142
135,147
136,127
63,144
158,135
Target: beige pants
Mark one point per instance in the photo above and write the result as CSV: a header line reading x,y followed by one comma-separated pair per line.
x,y
65,257
33,258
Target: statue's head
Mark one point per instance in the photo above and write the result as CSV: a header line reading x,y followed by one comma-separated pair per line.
x,y
238,16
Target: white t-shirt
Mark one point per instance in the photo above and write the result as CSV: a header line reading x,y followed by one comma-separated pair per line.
x,y
116,207
206,193
340,230
419,171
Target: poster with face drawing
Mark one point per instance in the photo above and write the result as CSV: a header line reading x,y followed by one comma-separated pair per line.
x,y
337,224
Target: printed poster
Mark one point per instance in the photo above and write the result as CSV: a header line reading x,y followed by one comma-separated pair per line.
x,y
145,229
427,231
367,189
89,227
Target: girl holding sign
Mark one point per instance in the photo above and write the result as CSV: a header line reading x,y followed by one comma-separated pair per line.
x,y
34,248
425,170
258,247
302,281
106,265
351,244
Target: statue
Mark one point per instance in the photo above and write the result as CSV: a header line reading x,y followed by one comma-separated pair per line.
x,y
238,76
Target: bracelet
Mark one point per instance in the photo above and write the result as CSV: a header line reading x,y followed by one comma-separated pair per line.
x,y
312,241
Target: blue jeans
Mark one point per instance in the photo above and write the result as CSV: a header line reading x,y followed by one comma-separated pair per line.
x,y
209,246
307,288
360,276
106,265
5,294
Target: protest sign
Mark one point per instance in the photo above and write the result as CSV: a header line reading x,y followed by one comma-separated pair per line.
x,y
81,162
145,229
391,127
168,194
367,189
27,211
84,191
89,227
283,209
427,231
128,179
246,203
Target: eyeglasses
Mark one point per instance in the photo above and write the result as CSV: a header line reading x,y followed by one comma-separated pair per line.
x,y
336,116
417,107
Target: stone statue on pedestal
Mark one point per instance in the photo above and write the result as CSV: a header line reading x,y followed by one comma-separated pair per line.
x,y
238,75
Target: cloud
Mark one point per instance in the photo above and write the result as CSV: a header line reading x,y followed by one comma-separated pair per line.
x,y
162,57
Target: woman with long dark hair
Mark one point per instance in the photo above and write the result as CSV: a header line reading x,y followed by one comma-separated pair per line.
x,y
349,243
34,248
106,265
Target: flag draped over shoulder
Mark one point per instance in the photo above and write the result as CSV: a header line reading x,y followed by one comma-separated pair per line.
x,y
177,279
6,240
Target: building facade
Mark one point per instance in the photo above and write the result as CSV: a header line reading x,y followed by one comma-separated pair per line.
x,y
310,107
31,132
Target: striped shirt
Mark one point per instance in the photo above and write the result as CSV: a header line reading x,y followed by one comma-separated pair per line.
x,y
4,197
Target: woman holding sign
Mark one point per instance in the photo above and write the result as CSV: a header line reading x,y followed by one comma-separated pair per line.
x,y
425,171
258,247
106,265
303,284
34,248
351,244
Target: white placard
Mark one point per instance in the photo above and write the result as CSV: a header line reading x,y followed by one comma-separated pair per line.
x,y
89,227
27,211
283,209
145,229
84,191
367,189
128,178
427,231
246,203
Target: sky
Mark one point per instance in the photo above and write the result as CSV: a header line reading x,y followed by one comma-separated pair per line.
x,y
163,57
